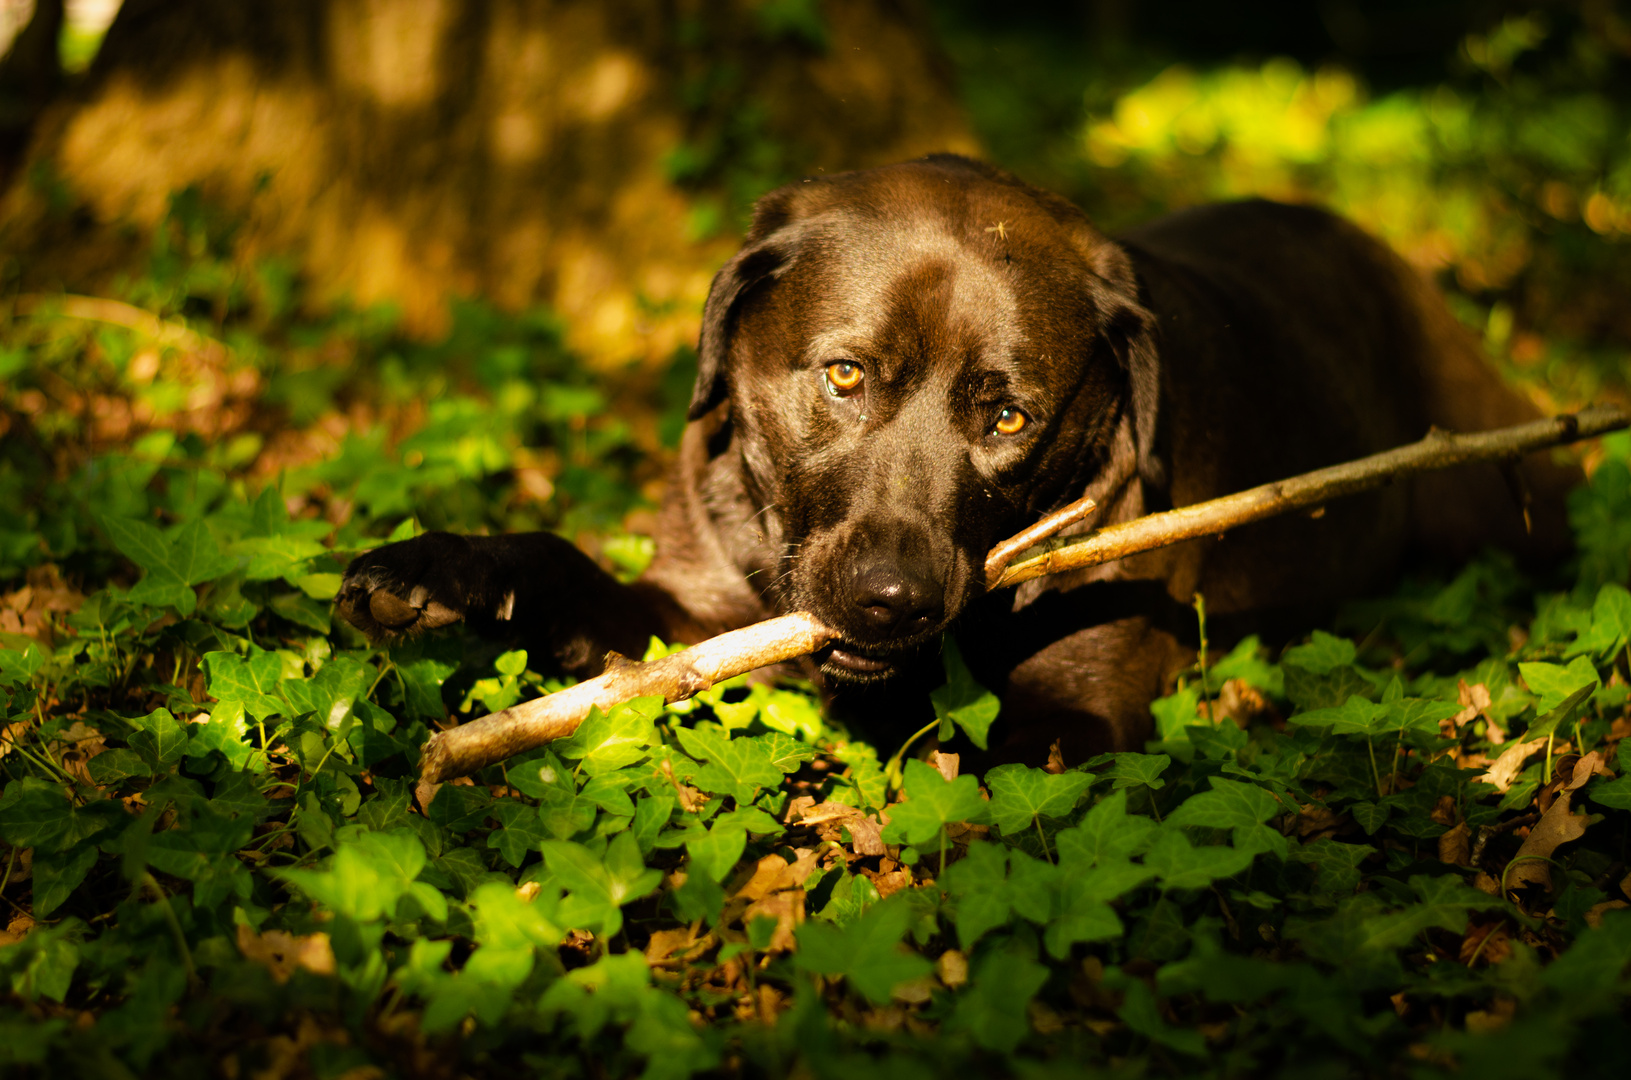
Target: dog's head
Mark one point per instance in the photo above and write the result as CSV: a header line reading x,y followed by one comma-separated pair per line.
x,y
919,361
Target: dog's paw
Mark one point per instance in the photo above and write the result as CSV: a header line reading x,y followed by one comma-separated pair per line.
x,y
408,587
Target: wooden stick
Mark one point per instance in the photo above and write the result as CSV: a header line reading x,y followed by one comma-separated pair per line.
x,y
1439,450
465,749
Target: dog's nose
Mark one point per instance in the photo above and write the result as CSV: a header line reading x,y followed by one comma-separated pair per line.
x,y
895,600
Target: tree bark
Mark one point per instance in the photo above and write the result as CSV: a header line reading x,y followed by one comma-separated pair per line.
x,y
570,153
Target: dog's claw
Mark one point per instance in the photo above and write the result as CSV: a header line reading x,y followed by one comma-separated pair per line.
x,y
437,614
392,612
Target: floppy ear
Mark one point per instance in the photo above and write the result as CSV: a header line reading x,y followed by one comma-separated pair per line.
x,y
772,244
1130,329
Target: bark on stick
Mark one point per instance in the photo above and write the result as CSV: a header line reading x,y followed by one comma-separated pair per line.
x,y
493,738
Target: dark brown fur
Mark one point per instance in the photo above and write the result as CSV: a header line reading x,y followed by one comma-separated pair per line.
x,y
1210,351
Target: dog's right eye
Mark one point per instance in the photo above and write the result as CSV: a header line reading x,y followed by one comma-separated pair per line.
x,y
844,377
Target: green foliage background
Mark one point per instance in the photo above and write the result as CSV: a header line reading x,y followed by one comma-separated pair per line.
x,y
213,862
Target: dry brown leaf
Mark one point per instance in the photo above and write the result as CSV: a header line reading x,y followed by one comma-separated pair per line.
x,y
866,835
665,943
787,908
31,609
757,883
1594,914
915,992
946,763
281,953
1488,944
1496,1017
12,735
770,1004
1056,759
1455,846
890,883
1045,1020
952,967
1511,763
1240,701
1313,818
1556,826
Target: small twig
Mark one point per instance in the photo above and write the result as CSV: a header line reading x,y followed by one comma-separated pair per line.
x,y
1003,554
465,749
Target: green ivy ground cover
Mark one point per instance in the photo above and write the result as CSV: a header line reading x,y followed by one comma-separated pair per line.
x,y
1395,849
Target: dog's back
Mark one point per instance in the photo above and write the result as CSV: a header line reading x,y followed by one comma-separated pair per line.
x,y
1295,340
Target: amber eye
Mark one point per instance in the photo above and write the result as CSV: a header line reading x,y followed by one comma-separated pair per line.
x,y
1011,421
844,377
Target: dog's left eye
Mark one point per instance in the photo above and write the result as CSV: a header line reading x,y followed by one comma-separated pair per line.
x,y
1010,421
844,377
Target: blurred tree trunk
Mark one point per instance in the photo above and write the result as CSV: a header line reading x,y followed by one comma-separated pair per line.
x,y
592,155
30,75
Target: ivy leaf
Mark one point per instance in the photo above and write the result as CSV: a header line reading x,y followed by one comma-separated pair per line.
x,y
735,767
1020,795
1081,910
1554,683
1140,1012
224,730
868,952
509,929
58,874
458,808
1614,794
520,830
534,776
931,803
270,557
1243,662
1370,815
1175,712
1550,722
252,680
1323,654
962,701
173,564
1180,865
599,887
17,666
609,793
1129,769
1234,805
422,681
1445,902
159,738
1610,624
368,875
111,766
1356,716
1106,833
651,814
607,741
716,852
978,885
1230,804
993,1010
1418,716
332,693
785,752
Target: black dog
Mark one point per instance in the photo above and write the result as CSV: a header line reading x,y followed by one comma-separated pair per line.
x,y
903,366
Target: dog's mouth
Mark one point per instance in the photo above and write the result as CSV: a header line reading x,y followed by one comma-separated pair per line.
x,y
847,662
